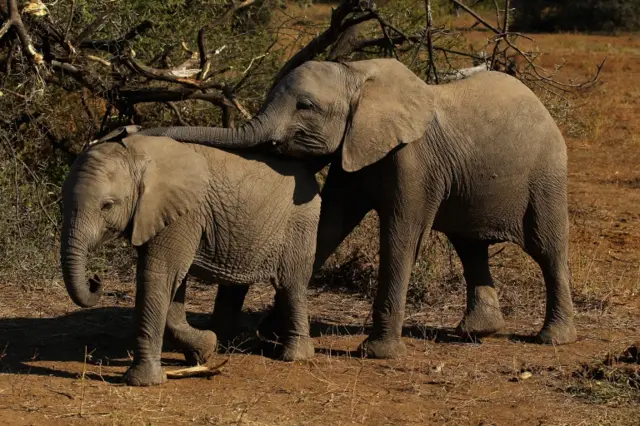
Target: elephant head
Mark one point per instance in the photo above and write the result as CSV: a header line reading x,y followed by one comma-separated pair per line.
x,y
361,109
135,188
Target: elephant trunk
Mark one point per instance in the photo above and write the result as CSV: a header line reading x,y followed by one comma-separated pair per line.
x,y
74,249
252,133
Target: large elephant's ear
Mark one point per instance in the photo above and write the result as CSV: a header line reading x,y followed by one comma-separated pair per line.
x,y
393,107
173,182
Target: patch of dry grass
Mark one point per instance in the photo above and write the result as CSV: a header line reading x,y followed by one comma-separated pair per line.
x,y
612,380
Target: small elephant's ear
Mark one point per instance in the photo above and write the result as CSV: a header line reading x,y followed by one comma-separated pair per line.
x,y
173,182
393,107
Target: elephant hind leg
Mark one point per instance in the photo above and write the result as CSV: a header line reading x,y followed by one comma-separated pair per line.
x,y
546,241
198,345
226,312
482,316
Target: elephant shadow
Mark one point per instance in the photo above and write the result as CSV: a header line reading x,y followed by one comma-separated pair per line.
x,y
433,334
102,336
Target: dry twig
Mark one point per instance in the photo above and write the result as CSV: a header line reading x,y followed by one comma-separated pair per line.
x,y
197,371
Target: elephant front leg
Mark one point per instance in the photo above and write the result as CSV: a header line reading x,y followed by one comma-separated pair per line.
x,y
297,344
291,294
399,241
153,296
198,345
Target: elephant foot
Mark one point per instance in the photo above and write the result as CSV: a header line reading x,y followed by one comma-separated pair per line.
x,y
298,348
557,333
202,354
485,317
382,348
145,374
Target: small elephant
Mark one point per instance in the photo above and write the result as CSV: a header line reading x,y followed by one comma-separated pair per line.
x,y
480,160
235,219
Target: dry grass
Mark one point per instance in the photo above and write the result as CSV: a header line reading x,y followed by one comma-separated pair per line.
x,y
613,380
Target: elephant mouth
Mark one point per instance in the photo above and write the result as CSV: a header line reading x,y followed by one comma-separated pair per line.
x,y
95,285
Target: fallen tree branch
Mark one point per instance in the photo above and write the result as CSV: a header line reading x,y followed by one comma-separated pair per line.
x,y
117,46
170,75
177,113
169,95
15,21
230,96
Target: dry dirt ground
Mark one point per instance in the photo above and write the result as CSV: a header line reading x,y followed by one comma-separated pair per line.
x,y
45,379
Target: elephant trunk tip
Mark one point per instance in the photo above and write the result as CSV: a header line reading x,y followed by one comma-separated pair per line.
x,y
93,297
95,285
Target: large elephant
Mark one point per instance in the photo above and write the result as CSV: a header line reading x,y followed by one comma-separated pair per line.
x,y
230,218
480,160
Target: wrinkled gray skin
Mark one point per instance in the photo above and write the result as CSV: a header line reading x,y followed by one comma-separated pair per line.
x,y
479,159
234,219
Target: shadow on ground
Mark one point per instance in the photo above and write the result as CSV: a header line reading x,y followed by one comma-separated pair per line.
x,y
107,334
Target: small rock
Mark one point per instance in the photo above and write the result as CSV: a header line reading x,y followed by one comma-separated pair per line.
x,y
522,376
525,375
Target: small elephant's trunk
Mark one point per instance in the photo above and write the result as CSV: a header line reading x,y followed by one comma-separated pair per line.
x,y
74,249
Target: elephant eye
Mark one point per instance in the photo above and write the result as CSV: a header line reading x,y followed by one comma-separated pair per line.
x,y
304,104
107,205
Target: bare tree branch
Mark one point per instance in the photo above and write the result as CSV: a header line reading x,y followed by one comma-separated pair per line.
x,y
15,21
176,111
124,81
118,45
233,8
205,63
95,25
432,63
172,76
475,15
71,15
338,25
464,73
345,44
170,95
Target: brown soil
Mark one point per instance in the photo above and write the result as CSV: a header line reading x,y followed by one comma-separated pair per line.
x,y
43,336
441,380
